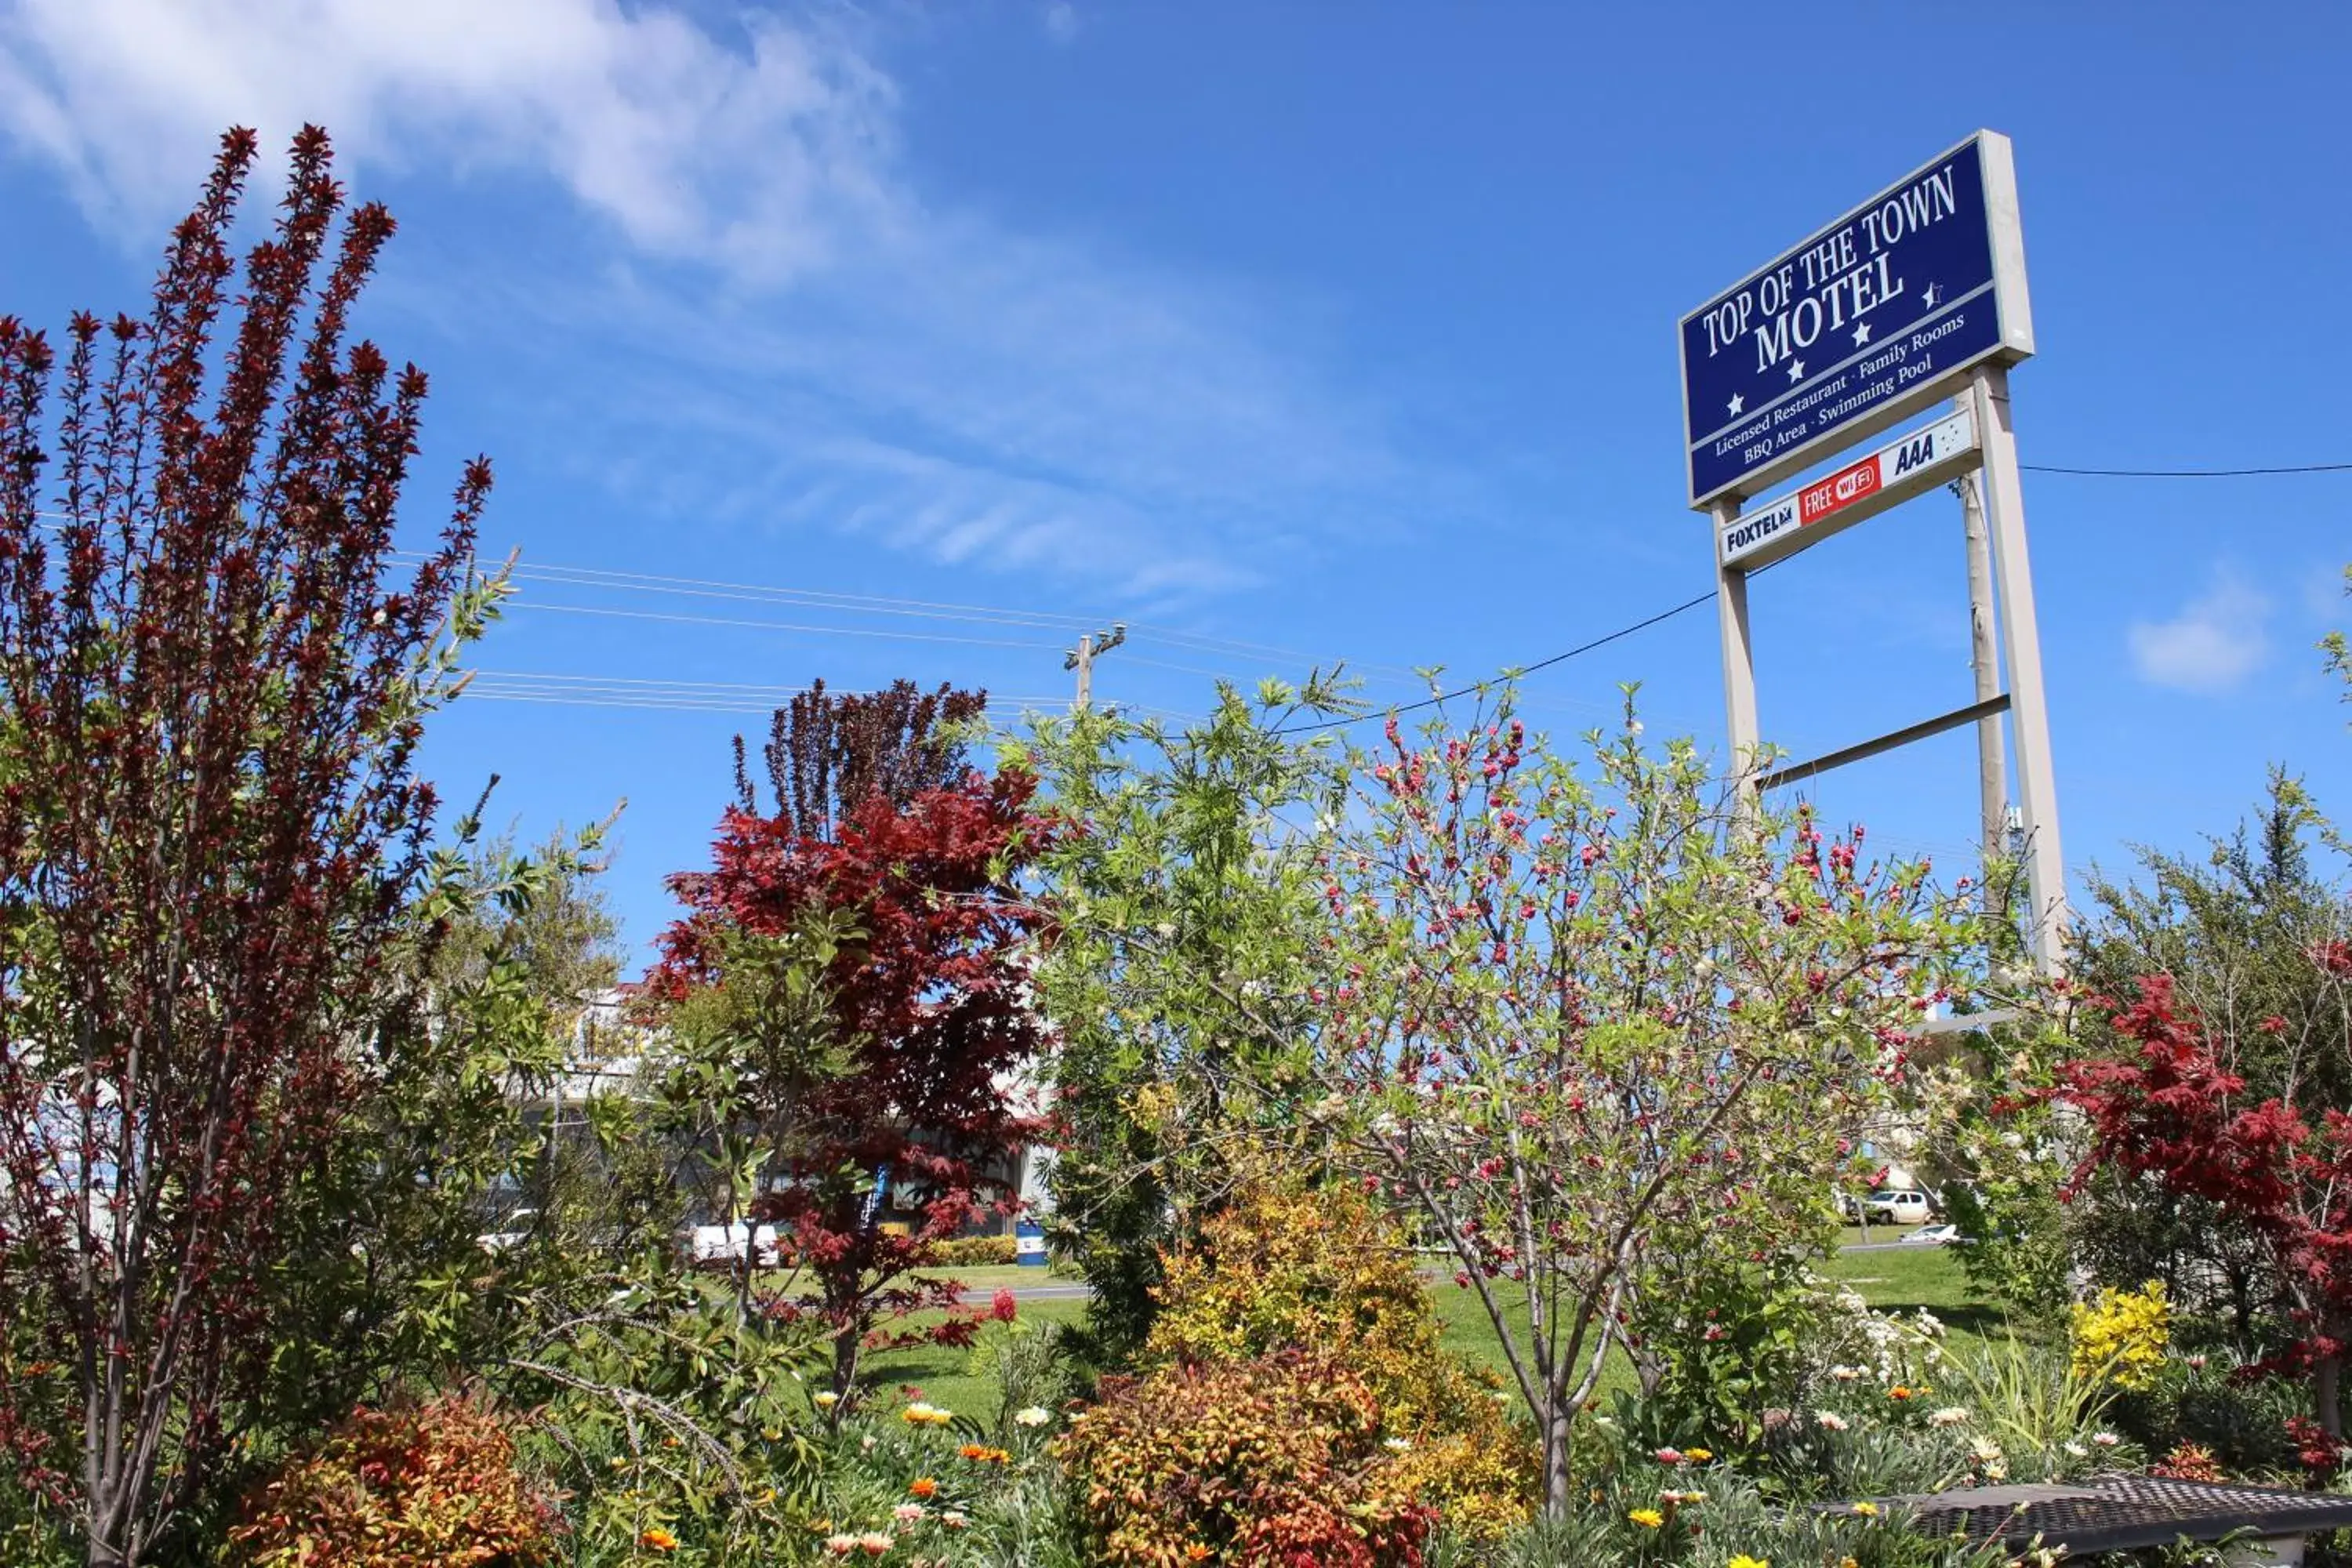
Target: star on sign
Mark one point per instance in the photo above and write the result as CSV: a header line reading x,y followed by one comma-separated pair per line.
x,y
1738,402
1796,370
1862,335
1932,292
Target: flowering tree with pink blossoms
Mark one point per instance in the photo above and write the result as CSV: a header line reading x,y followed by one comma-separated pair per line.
x,y
1582,1020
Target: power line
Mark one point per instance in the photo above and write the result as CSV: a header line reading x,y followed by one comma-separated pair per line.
x,y
1601,641
524,604
567,689
868,603
2186,473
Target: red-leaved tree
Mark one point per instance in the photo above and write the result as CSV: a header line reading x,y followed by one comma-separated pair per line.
x,y
209,819
2169,1110
924,992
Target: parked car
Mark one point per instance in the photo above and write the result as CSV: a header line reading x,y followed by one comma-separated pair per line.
x,y
1934,1236
1897,1205
713,1243
512,1231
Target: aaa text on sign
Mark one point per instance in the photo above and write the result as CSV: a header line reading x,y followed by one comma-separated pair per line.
x,y
1862,324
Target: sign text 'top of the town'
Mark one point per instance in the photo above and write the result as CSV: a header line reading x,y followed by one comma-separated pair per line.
x,y
1861,325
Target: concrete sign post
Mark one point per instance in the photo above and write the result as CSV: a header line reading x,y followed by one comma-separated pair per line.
x,y
1913,298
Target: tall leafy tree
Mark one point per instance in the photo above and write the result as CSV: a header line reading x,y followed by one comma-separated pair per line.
x,y
898,1058
215,677
2214,1070
1187,912
830,752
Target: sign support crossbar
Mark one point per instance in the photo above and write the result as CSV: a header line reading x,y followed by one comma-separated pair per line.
x,y
1796,773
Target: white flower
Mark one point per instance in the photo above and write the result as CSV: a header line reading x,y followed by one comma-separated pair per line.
x,y
2077,1449
1035,1416
2106,1439
1396,1444
1845,1373
1950,1415
1831,1421
1984,1450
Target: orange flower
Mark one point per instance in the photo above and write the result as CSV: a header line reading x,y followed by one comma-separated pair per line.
x,y
658,1540
923,1486
1899,1392
1196,1552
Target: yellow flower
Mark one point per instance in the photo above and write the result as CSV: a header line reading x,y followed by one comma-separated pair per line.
x,y
2123,1338
1867,1510
658,1539
1700,1457
826,1400
1647,1518
1743,1560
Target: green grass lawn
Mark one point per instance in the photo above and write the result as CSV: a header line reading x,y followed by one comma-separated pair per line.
x,y
1897,1281
963,1381
986,1277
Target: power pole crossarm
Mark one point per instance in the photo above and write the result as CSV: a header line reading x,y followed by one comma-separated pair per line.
x,y
1082,658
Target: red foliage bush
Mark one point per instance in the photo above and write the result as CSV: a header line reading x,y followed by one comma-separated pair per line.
x,y
2187,1462
1274,1463
2169,1108
432,1486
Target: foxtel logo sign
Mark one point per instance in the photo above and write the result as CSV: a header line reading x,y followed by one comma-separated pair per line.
x,y
1843,492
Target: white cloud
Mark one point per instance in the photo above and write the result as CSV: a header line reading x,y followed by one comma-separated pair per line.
x,y
2212,644
1061,20
949,386
759,155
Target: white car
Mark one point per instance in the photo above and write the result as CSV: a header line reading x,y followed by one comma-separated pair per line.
x,y
1896,1206
731,1243
512,1232
1934,1236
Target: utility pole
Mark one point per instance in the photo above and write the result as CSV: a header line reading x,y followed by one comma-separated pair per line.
x,y
1993,759
2021,636
1082,657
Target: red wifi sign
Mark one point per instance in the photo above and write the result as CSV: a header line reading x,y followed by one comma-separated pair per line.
x,y
1839,489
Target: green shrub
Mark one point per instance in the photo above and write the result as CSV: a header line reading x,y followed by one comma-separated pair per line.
x,y
1268,1462
977,1252
431,1486
1287,1266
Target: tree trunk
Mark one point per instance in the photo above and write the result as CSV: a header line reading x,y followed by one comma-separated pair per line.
x,y
1555,1463
845,1365
2327,1395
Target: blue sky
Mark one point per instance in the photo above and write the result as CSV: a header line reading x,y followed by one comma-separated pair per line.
x,y
1287,332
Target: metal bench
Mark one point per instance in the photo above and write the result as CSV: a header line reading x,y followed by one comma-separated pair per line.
x,y
2126,1513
